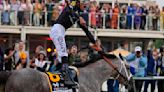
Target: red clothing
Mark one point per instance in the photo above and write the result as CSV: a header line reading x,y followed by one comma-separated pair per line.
x,y
114,21
93,16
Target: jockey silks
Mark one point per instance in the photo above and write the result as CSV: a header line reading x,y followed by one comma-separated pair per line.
x,y
67,18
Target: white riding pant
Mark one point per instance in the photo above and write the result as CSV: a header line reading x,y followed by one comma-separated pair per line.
x,y
57,35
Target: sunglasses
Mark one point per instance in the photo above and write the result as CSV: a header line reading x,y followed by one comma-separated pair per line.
x,y
138,52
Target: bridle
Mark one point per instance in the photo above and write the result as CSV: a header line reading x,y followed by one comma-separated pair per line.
x,y
122,66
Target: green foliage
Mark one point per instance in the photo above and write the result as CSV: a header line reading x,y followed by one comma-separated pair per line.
x,y
159,43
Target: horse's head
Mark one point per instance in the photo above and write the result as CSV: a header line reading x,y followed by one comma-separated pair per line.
x,y
121,73
104,71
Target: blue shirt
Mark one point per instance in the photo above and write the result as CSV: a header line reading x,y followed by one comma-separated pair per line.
x,y
137,64
152,64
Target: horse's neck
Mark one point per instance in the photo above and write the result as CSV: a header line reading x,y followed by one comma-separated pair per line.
x,y
104,70
101,69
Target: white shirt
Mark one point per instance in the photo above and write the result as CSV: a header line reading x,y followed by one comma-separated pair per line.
x,y
5,6
22,7
40,63
135,63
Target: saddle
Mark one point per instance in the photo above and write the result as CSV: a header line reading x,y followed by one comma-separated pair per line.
x,y
56,80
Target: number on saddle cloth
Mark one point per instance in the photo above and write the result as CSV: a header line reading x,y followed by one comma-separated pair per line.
x,y
56,80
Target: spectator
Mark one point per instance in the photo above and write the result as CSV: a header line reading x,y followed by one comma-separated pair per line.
x,y
6,12
150,17
40,62
42,13
13,12
124,45
113,85
114,22
21,50
9,59
27,12
1,59
152,65
1,5
37,50
123,18
143,17
162,18
22,62
107,8
49,9
137,17
55,14
37,13
54,66
129,16
85,12
156,14
73,56
137,62
93,15
161,82
99,17
21,11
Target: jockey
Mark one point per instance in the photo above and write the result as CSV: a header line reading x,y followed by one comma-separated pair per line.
x,y
67,18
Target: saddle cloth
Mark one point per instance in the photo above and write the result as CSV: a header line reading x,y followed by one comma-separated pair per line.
x,y
56,81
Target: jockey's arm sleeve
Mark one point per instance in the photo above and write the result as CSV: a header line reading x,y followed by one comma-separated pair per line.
x,y
87,32
76,17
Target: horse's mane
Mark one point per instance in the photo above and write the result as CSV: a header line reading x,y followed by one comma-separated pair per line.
x,y
97,57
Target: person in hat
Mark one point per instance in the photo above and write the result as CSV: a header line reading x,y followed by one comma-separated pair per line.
x,y
137,64
67,18
35,55
40,62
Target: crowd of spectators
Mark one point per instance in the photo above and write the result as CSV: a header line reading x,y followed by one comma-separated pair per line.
x,y
45,12
126,17
146,65
16,57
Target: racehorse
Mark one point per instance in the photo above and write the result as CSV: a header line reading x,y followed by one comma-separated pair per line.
x,y
90,78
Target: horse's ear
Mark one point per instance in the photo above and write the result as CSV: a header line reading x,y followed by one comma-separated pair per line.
x,y
111,56
121,57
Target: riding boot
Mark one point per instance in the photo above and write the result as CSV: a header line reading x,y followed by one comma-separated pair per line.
x,y
66,72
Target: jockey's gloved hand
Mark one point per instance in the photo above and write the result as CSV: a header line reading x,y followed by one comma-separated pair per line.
x,y
95,47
